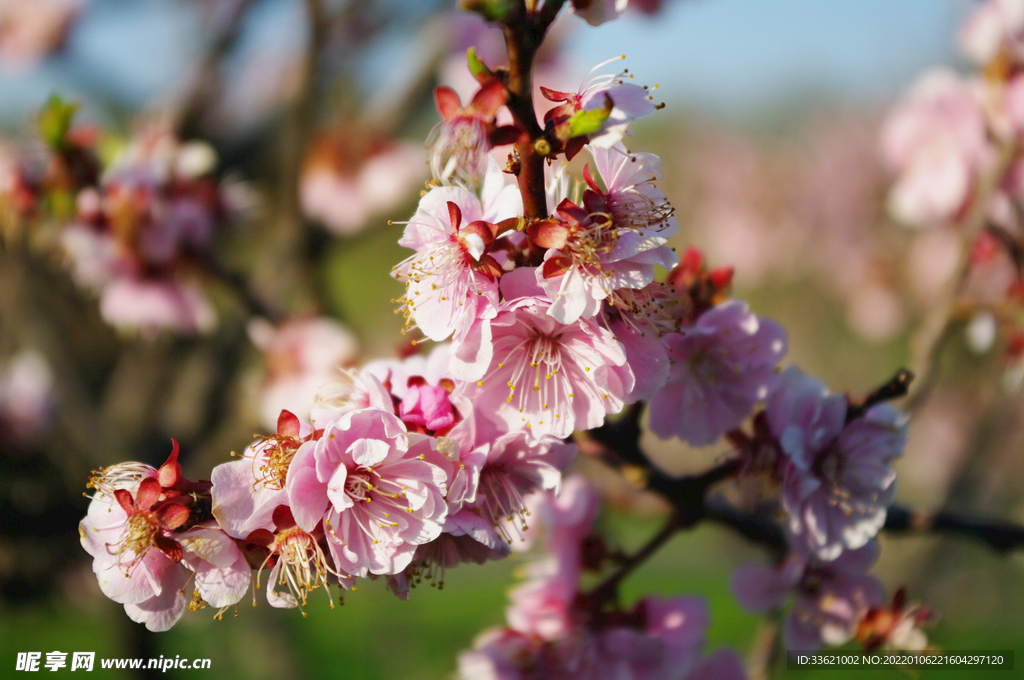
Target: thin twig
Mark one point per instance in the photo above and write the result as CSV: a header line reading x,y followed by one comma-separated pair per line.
x,y
764,652
206,78
940,326
524,32
608,589
1002,537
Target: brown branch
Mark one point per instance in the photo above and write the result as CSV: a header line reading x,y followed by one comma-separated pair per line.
x,y
766,648
207,75
940,326
524,32
1002,537
897,387
617,444
608,589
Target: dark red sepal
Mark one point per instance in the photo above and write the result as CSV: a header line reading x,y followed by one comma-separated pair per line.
x,y
169,547
171,516
124,499
283,518
556,266
170,471
148,494
548,233
288,424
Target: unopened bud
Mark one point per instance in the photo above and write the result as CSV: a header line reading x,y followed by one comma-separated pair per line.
x,y
542,147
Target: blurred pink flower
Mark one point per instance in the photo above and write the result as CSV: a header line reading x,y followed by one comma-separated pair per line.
x,y
345,195
544,376
32,29
301,355
369,482
26,395
720,367
935,140
994,26
831,597
837,477
151,305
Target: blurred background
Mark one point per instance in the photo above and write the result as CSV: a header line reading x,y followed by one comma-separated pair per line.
x,y
283,135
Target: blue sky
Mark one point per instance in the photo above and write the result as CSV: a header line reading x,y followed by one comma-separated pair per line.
x,y
724,54
721,55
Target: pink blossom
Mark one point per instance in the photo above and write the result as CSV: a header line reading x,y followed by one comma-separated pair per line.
x,y
994,26
370,484
150,305
517,465
628,102
545,376
351,390
831,597
632,197
299,565
345,198
451,282
596,12
137,563
141,533
421,387
936,142
645,354
222,574
542,606
246,492
300,355
677,627
837,477
614,242
453,547
26,395
459,144
427,406
720,367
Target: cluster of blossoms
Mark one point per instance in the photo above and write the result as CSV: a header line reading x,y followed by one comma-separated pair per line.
x,y
397,479
556,630
551,316
31,30
832,461
954,144
135,230
26,398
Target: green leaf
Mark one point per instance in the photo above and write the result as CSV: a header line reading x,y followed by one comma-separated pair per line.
x,y
55,120
476,65
491,10
586,122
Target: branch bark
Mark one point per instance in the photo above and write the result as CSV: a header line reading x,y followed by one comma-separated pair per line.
x,y
524,31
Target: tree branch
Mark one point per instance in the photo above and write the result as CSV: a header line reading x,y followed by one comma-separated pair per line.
x,y
524,32
608,589
1002,537
940,326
